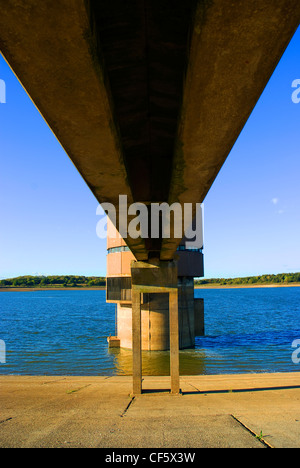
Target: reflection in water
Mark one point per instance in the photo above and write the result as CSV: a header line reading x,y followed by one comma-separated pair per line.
x,y
158,362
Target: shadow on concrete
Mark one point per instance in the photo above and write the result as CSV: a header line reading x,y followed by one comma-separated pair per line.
x,y
240,390
153,390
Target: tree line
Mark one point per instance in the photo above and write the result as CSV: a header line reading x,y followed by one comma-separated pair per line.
x,y
68,281
282,278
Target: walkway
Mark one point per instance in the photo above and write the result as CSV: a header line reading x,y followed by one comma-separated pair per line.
x,y
212,411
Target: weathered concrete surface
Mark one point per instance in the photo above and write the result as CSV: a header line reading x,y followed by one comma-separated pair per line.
x,y
114,79
235,49
94,412
51,49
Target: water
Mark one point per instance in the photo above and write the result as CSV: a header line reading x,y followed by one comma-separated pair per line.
x,y
65,333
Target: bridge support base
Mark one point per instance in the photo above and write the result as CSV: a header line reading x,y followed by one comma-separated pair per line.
x,y
157,278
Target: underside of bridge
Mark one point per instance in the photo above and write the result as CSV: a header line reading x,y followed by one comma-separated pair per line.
x,y
147,97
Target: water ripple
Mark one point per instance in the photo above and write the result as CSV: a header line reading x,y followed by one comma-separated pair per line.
x,y
247,330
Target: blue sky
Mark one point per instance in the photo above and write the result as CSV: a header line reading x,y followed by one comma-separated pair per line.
x,y
252,212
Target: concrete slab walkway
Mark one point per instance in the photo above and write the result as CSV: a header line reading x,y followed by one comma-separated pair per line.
x,y
211,412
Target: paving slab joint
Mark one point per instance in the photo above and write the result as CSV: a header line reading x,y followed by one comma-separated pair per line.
x,y
257,436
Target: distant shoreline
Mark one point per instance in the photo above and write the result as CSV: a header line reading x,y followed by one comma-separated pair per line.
x,y
245,286
96,288
201,286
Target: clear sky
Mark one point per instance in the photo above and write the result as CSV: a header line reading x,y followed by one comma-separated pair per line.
x,y
252,212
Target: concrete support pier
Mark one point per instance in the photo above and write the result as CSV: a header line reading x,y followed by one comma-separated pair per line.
x,y
155,321
155,305
158,278
174,342
136,343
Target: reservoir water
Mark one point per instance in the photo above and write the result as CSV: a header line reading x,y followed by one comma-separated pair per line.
x,y
65,333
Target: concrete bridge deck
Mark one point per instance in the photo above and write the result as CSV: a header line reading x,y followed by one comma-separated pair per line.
x,y
212,411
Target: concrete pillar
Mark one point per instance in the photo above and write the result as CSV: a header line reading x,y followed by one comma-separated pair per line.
x,y
136,343
154,278
174,342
